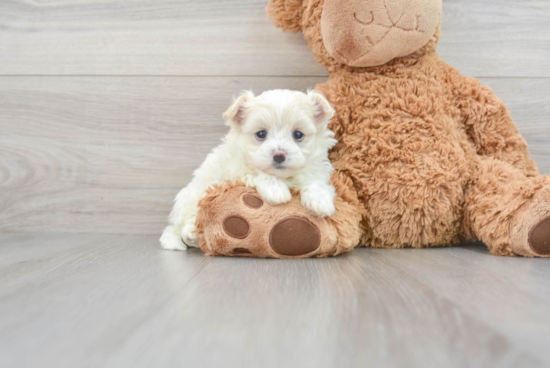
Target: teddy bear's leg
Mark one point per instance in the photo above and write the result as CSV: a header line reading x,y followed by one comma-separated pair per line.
x,y
508,210
234,220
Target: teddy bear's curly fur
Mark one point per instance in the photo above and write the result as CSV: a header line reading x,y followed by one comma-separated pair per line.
x,y
430,157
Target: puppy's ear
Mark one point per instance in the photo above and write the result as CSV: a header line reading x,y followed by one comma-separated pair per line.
x,y
235,114
322,111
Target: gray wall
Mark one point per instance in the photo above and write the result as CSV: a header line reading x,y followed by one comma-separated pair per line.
x,y
107,106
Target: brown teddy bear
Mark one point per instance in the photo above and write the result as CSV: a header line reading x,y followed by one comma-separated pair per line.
x,y
426,157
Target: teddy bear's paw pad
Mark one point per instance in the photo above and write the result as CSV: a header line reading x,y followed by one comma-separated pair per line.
x,y
294,236
236,227
251,201
539,237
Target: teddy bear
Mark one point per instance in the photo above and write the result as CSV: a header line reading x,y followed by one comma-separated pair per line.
x,y
425,156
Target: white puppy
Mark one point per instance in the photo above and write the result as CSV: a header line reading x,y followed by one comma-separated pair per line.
x,y
277,140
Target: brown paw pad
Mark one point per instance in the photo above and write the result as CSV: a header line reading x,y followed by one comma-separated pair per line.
x,y
236,227
294,236
539,237
241,251
252,201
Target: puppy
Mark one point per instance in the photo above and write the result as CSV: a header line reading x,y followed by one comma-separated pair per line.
x,y
277,140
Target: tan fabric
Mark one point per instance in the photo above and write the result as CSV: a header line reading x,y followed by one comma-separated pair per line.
x,y
337,234
373,32
425,157
286,14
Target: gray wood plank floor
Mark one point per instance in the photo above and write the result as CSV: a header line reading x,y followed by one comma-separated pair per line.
x,y
118,301
106,108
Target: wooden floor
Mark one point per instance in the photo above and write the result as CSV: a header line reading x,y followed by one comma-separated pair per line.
x,y
106,108
97,300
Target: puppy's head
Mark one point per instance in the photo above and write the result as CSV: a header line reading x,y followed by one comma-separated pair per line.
x,y
281,131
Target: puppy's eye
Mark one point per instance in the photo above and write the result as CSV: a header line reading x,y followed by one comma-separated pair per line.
x,y
298,135
261,134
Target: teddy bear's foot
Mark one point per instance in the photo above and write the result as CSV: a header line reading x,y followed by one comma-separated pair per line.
x,y
530,236
234,221
245,225
539,237
508,210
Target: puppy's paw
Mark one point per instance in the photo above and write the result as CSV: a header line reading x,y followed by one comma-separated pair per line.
x,y
274,192
319,199
189,236
171,241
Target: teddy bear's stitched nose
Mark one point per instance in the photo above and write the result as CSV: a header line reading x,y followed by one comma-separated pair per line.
x,y
279,157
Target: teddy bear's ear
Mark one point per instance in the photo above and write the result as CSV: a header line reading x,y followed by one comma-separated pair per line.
x,y
235,114
322,111
286,14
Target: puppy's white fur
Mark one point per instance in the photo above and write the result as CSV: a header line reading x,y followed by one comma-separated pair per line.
x,y
246,157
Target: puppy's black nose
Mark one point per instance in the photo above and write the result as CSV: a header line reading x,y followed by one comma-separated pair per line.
x,y
278,158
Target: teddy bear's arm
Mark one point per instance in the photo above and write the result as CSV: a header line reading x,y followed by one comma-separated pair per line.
x,y
489,124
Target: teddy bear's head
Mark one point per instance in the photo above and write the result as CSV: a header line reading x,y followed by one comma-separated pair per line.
x,y
359,33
